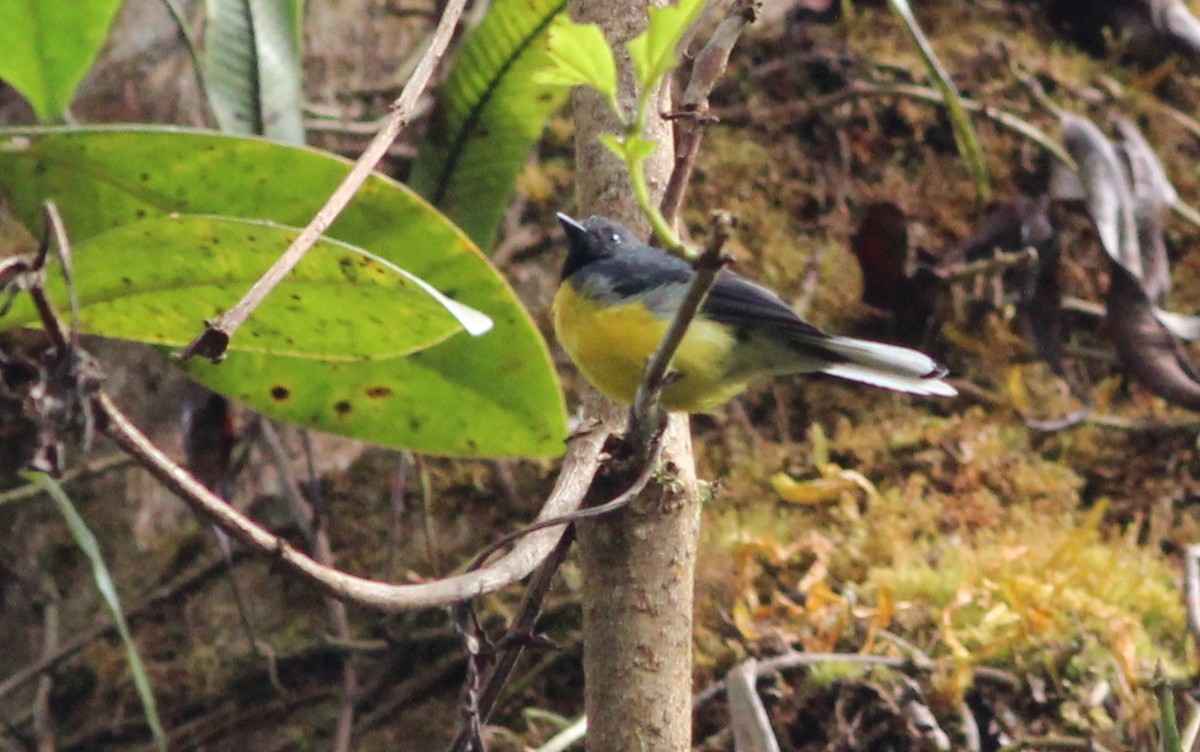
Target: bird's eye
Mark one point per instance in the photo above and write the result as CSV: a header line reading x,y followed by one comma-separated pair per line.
x,y
616,238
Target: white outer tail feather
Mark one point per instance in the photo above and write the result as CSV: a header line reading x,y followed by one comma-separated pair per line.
x,y
887,366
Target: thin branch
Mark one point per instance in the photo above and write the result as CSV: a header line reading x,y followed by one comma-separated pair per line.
x,y
428,529
43,721
214,340
970,727
519,634
92,467
564,739
793,111
638,485
578,470
1045,743
647,415
693,105
810,281
182,585
307,519
52,228
912,703
301,510
769,666
970,270
751,724
396,494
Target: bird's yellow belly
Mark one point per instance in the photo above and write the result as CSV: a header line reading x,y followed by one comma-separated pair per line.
x,y
611,345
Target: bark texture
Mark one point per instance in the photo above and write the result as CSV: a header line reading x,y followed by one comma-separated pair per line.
x,y
638,564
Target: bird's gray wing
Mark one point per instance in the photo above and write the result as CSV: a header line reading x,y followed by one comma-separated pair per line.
x,y
748,306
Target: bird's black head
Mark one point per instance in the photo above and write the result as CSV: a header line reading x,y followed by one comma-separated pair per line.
x,y
592,239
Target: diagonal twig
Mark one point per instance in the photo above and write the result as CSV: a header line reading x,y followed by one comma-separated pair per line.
x,y
647,415
693,105
213,341
512,645
573,482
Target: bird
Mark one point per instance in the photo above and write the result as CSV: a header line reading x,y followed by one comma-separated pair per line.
x,y
617,297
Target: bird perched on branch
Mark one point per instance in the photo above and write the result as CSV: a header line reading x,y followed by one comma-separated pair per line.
x,y
618,296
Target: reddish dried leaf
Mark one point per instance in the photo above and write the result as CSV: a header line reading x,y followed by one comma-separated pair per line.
x,y
881,245
208,438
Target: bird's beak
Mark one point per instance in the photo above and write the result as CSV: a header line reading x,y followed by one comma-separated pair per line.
x,y
576,232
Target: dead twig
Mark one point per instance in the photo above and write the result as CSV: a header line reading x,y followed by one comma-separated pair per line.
x,y
43,722
912,703
917,663
396,505
1026,257
66,651
692,115
647,417
800,110
970,728
87,469
752,730
1054,743
510,647
578,470
304,512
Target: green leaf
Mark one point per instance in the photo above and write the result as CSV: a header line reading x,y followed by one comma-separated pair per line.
x,y
640,149
490,113
103,178
108,592
151,281
629,149
430,401
48,47
252,68
615,144
964,133
653,52
579,56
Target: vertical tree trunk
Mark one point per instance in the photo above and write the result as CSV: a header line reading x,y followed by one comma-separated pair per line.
x,y
638,563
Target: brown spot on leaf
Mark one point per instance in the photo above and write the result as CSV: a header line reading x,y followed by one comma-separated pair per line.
x,y
379,392
280,393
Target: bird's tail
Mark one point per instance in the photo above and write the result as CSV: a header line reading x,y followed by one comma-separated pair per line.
x,y
888,366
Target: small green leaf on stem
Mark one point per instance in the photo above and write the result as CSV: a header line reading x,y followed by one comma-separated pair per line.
x,y
616,144
653,52
580,56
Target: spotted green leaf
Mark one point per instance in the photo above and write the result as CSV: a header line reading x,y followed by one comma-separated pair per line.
x,y
501,386
151,281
